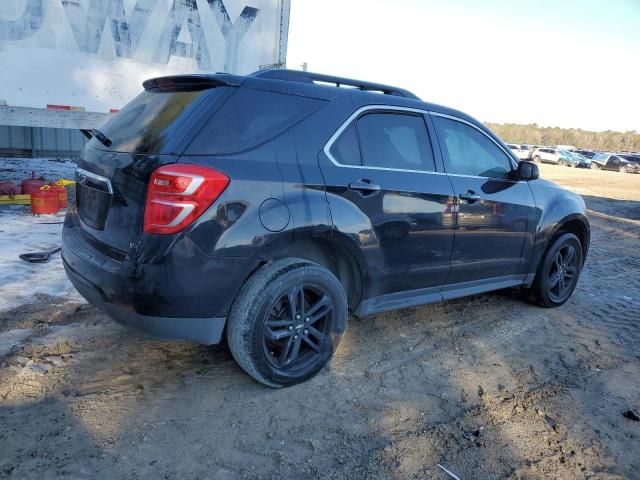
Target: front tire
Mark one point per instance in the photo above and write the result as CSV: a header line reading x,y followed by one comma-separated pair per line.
x,y
558,272
536,159
287,322
623,170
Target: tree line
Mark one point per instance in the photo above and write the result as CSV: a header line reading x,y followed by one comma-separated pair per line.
x,y
534,134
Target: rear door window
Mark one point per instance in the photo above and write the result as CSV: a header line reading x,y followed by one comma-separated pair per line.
x,y
398,141
249,118
469,152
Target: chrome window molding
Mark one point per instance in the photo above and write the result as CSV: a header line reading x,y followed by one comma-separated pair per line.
x,y
458,119
353,117
395,108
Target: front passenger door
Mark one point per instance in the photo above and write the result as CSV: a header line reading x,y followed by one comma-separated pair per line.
x,y
496,215
385,192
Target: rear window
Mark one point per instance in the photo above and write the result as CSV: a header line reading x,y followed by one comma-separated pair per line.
x,y
249,118
151,120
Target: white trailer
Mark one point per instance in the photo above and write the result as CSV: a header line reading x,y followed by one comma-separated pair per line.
x,y
86,58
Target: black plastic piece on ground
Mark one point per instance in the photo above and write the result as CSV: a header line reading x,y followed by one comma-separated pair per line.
x,y
39,257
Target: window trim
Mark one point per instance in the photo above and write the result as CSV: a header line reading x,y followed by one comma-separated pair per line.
x,y
380,108
394,108
514,166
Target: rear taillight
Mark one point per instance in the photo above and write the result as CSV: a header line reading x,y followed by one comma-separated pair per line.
x,y
178,194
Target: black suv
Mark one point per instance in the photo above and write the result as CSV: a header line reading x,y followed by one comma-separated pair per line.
x,y
260,210
615,162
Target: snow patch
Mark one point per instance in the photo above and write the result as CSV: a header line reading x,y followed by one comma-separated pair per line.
x,y
10,339
23,232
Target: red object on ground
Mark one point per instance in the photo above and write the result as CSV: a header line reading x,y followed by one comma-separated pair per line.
x,y
65,107
9,188
45,201
32,185
63,199
58,107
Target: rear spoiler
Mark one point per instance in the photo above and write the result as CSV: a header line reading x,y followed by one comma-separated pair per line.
x,y
192,82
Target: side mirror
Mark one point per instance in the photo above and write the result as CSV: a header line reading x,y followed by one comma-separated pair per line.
x,y
528,171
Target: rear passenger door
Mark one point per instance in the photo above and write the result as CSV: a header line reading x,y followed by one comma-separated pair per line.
x,y
387,196
495,214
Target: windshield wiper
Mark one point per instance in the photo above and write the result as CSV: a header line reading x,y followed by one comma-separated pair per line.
x,y
101,137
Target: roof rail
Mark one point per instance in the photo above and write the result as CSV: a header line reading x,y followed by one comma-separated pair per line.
x,y
318,78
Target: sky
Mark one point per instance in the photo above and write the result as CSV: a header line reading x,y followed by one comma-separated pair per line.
x,y
565,63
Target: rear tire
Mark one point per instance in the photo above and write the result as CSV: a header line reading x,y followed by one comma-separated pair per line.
x,y
558,272
595,166
622,169
287,322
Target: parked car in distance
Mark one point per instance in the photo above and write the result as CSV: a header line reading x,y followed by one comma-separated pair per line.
x,y
566,147
547,155
586,153
573,159
530,149
612,161
631,157
521,151
260,210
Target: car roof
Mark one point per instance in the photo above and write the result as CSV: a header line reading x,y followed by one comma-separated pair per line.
x,y
309,84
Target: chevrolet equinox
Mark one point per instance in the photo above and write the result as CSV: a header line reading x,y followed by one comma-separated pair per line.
x,y
260,210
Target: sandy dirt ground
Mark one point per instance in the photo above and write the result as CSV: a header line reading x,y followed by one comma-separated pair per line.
x,y
487,386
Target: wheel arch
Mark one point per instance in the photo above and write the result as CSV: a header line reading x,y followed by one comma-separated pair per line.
x,y
332,255
576,224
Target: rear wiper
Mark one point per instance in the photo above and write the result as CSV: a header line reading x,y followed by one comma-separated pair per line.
x,y
101,137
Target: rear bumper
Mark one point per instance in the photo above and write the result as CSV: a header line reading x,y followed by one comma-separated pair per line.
x,y
170,289
207,331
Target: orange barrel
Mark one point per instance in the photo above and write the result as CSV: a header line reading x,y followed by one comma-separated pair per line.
x,y
45,201
63,201
31,185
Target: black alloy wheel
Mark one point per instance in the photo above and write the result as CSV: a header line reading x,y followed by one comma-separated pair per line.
x,y
558,272
296,327
287,322
563,273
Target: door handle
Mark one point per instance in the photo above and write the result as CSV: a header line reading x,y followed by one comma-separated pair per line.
x,y
364,186
470,196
